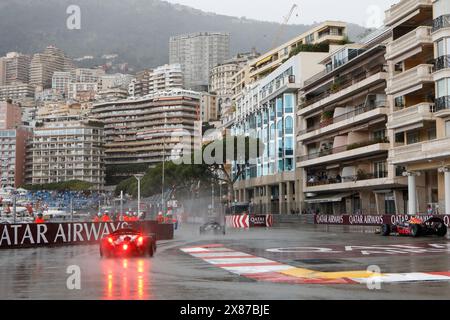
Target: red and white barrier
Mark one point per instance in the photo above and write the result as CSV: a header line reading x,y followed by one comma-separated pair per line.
x,y
246,221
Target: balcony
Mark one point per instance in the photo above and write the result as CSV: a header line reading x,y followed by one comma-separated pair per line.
x,y
409,116
361,180
404,8
414,39
411,78
438,149
344,153
442,62
359,115
443,106
343,91
441,23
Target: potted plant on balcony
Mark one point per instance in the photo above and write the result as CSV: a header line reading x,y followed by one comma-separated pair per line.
x,y
335,87
326,118
361,175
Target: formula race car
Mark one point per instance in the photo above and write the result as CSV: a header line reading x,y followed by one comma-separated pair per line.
x,y
416,228
212,226
126,243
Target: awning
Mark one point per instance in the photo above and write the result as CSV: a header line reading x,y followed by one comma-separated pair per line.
x,y
329,198
260,62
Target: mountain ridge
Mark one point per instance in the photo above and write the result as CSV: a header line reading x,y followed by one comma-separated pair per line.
x,y
137,30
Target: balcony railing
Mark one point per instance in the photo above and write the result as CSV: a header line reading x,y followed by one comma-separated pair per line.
x,y
442,103
442,62
362,176
327,152
420,73
343,84
441,22
358,111
420,35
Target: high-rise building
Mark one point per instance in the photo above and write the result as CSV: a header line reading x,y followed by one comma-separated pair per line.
x,y
43,65
16,92
221,82
13,137
326,34
61,82
208,107
14,68
68,147
419,97
197,54
162,78
266,111
147,130
343,143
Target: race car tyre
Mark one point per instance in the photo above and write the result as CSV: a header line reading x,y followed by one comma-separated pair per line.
x,y
442,231
151,251
385,230
415,230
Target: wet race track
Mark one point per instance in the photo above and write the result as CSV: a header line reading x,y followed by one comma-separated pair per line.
x,y
288,262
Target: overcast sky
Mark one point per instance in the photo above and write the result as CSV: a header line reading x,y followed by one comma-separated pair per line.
x,y
368,13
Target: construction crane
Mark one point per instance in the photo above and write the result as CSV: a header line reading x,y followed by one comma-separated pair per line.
x,y
283,25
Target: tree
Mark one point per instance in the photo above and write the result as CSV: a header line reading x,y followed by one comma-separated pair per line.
x,y
239,150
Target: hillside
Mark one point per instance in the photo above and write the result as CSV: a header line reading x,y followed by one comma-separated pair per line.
x,y
137,30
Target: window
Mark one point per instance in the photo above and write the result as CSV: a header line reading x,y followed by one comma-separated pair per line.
x,y
272,132
440,8
379,135
289,125
431,133
280,128
412,137
289,146
289,103
447,129
380,169
400,102
443,88
279,107
309,39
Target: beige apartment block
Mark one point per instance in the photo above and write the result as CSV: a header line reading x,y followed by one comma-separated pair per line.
x,y
147,130
66,148
343,143
418,91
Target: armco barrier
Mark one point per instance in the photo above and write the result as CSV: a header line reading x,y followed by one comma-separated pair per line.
x,y
246,221
53,234
371,220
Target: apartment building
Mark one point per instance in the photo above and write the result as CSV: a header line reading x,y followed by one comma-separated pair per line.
x,y
343,143
418,93
68,147
197,54
221,81
110,81
163,78
147,130
266,110
43,65
208,107
14,68
16,92
61,82
13,137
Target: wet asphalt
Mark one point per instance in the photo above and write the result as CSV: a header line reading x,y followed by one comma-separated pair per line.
x,y
52,273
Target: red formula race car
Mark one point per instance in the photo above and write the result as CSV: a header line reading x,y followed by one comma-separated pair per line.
x,y
416,228
127,243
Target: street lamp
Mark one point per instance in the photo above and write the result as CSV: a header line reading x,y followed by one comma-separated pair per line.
x,y
139,178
